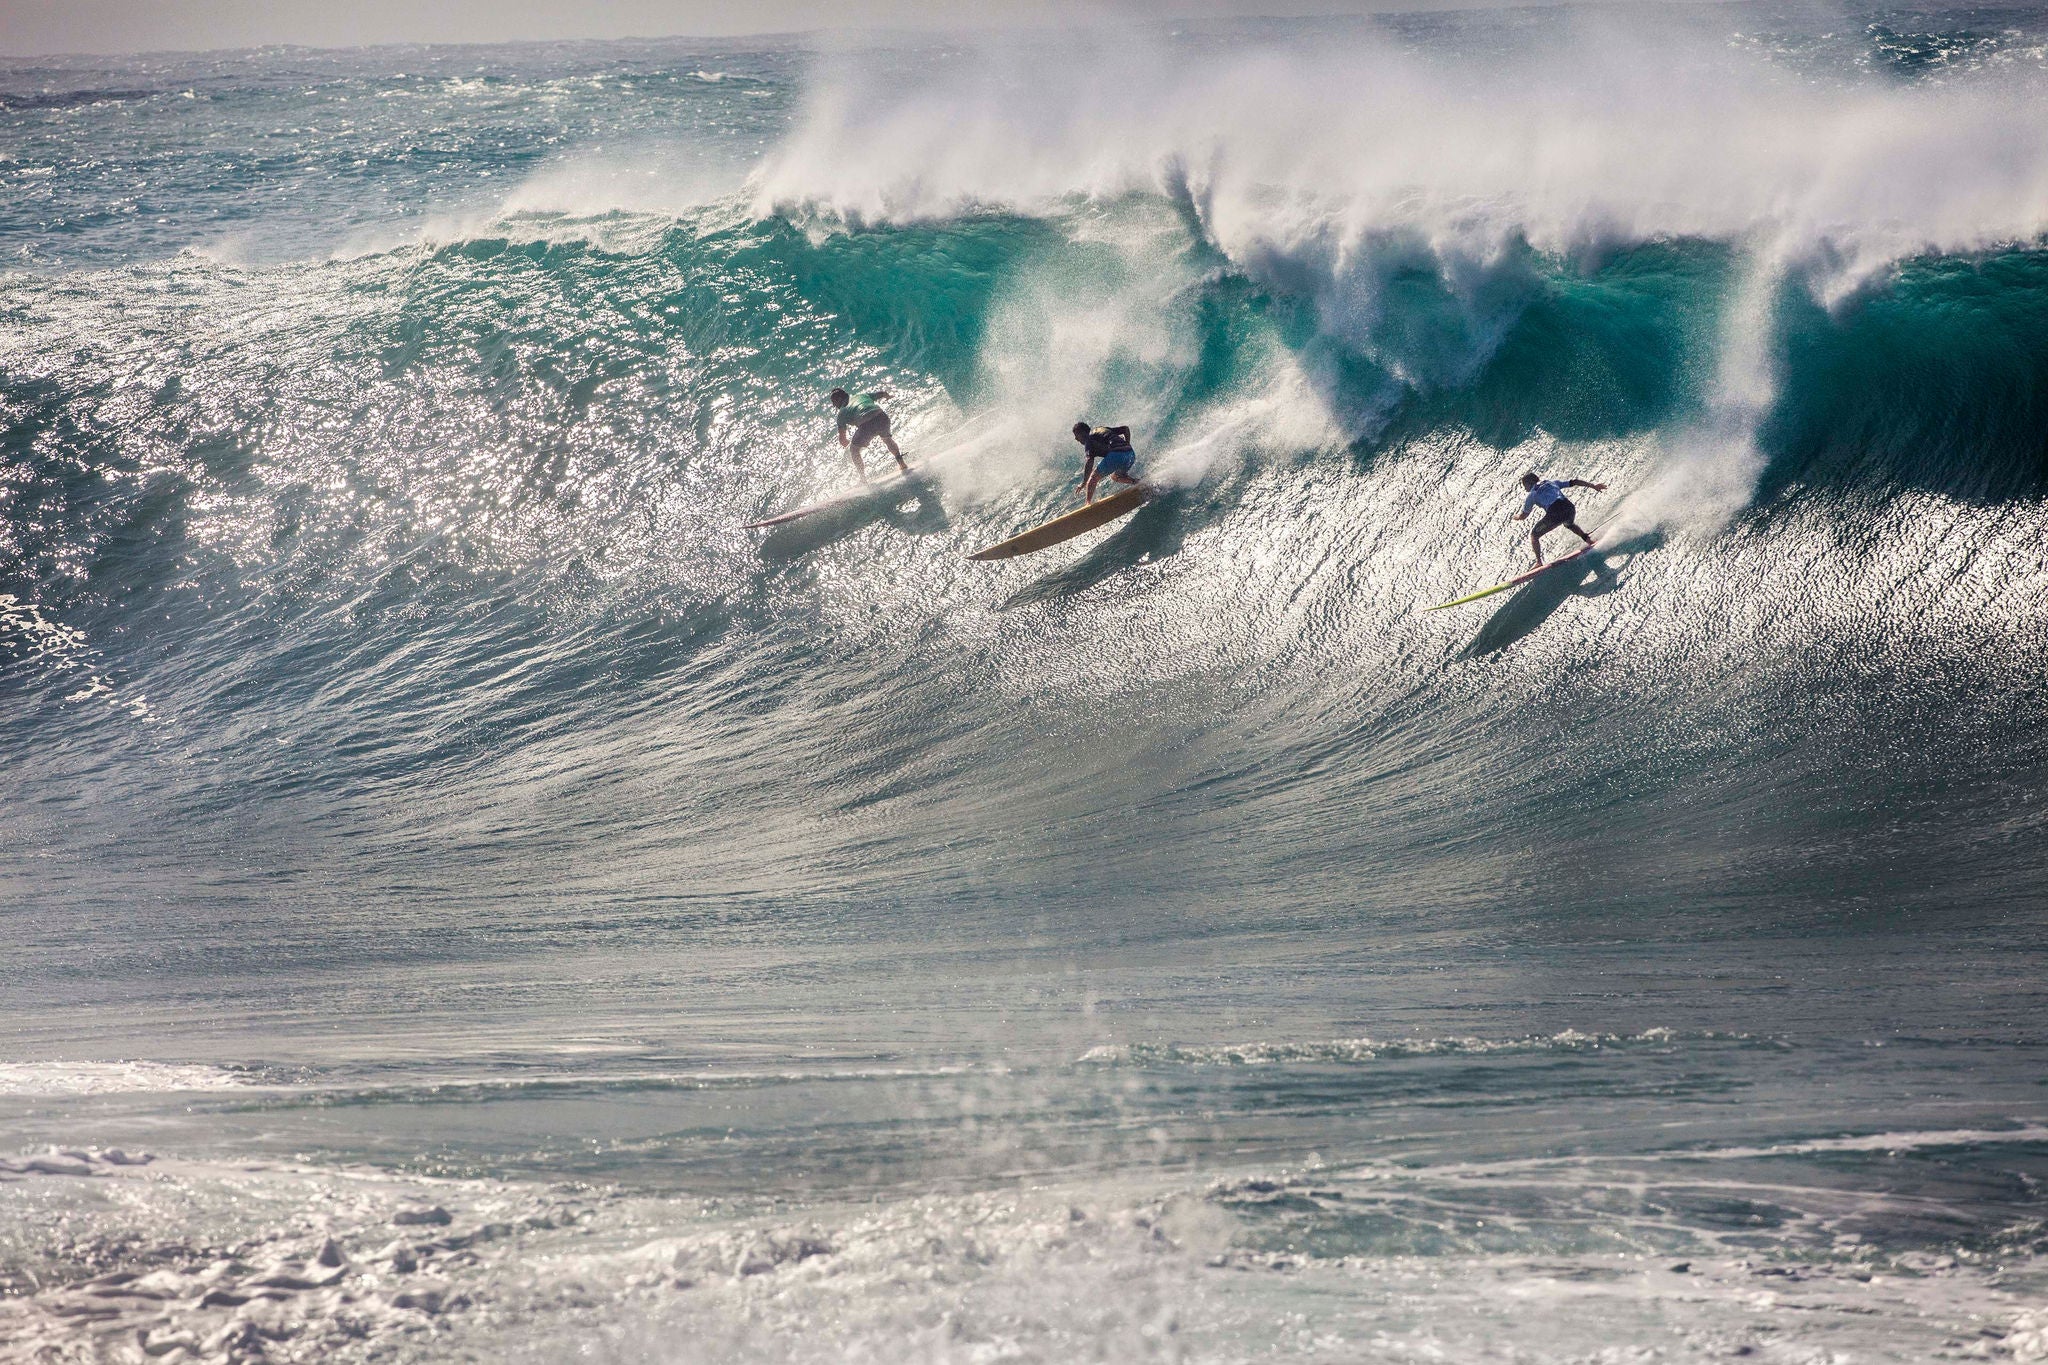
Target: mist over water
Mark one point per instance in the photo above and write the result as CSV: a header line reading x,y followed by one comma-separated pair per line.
x,y
470,898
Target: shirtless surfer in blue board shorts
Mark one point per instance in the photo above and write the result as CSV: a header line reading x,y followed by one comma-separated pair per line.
x,y
868,422
1557,508
1109,445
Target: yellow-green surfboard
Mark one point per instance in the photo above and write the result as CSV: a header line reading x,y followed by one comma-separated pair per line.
x,y
1514,582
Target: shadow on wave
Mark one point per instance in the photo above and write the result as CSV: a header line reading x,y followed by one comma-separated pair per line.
x,y
927,516
1154,532
1526,612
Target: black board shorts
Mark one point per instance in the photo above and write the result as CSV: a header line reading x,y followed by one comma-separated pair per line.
x,y
868,430
1556,515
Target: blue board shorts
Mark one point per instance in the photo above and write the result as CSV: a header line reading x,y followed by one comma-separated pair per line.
x,y
1116,462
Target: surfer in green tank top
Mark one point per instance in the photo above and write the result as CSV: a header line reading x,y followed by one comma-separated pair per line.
x,y
862,420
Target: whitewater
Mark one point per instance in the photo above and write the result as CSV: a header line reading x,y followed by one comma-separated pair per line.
x,y
465,897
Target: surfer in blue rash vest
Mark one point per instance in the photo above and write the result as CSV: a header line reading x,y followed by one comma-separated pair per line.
x,y
1557,508
1105,450
867,421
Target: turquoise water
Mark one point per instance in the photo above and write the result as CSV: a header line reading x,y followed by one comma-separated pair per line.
x,y
468,898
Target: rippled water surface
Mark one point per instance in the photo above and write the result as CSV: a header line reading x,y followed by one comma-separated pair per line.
x,y
468,897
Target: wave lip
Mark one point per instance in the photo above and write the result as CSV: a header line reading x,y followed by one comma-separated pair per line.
x,y
1353,1050
40,1079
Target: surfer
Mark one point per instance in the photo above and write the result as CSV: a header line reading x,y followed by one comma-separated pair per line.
x,y
868,423
1109,445
1557,508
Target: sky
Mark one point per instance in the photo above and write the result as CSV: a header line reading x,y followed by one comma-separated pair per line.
x,y
46,26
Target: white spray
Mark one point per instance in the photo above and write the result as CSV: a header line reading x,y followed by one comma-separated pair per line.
x,y
1333,171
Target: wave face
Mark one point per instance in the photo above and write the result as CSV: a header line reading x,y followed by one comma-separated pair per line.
x,y
395,706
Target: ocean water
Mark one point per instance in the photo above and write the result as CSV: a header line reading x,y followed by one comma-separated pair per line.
x,y
465,898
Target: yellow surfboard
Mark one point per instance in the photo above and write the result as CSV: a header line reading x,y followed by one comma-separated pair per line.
x,y
1517,581
1098,513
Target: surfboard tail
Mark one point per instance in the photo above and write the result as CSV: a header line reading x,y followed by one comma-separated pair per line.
x,y
893,480
1065,527
1514,582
